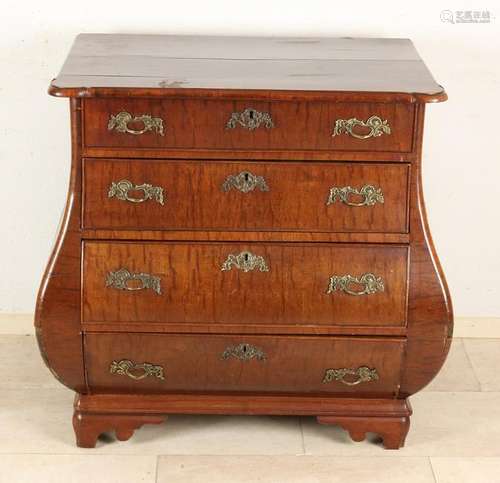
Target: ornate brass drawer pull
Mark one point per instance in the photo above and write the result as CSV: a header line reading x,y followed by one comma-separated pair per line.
x,y
371,195
121,190
372,284
245,261
361,374
376,125
250,119
121,278
120,122
129,368
244,182
244,352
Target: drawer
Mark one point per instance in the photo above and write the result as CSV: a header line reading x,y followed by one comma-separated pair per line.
x,y
247,125
217,195
255,283
146,363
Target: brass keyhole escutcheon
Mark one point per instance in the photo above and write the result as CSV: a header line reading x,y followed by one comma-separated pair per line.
x,y
244,352
250,119
244,182
245,261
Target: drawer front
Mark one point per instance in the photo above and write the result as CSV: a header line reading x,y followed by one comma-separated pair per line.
x,y
247,125
145,363
217,195
236,283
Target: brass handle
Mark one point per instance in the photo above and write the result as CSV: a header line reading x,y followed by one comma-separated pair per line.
x,y
371,195
370,282
121,190
245,261
361,374
121,278
376,126
244,352
250,119
244,182
120,121
128,368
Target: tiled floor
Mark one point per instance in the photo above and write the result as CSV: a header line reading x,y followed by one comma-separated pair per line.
x,y
454,438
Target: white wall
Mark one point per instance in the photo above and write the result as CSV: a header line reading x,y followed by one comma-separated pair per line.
x,y
462,142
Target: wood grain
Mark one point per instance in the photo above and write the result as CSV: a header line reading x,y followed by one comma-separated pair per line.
x,y
405,331
393,431
251,404
195,363
237,328
201,124
163,63
247,236
249,154
294,197
195,289
57,314
88,427
387,417
430,313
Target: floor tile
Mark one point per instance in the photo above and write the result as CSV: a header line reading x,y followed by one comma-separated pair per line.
x,y
293,469
482,327
457,373
19,324
40,419
466,470
36,421
216,435
77,469
21,364
443,424
484,355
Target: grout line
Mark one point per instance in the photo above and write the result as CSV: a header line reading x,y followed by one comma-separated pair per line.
x,y
156,468
472,366
429,459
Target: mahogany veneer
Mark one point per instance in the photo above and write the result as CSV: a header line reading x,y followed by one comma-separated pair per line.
x,y
194,289
285,364
293,199
298,125
244,233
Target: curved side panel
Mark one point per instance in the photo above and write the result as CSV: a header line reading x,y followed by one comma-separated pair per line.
x,y
57,315
430,315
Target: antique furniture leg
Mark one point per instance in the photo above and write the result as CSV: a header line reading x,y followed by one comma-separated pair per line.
x,y
393,431
390,423
88,426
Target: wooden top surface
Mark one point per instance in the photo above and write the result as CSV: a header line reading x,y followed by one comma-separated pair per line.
x,y
99,64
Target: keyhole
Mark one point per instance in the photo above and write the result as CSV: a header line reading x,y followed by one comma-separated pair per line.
x,y
246,257
251,115
246,177
244,347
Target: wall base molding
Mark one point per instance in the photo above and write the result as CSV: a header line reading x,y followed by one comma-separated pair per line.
x,y
466,327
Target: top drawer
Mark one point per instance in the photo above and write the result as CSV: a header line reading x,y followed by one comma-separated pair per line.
x,y
247,125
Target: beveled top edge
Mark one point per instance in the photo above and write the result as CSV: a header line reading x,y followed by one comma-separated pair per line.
x,y
266,67
276,95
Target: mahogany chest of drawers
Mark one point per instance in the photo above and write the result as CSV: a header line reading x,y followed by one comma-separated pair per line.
x,y
244,233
